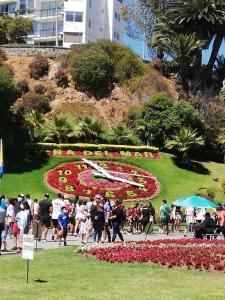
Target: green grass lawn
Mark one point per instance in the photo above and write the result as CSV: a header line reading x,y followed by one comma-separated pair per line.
x,y
27,177
72,276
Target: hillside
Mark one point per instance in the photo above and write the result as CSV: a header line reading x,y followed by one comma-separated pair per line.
x,y
110,110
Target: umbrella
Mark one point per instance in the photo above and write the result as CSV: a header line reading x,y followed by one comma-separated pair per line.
x,y
195,201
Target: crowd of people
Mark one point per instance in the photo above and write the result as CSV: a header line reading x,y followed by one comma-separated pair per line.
x,y
98,218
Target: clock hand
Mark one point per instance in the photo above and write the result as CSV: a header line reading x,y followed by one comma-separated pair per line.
x,y
116,178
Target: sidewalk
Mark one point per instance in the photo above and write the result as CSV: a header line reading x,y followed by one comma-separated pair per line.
x,y
76,241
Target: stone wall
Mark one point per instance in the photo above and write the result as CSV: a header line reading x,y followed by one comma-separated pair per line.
x,y
25,50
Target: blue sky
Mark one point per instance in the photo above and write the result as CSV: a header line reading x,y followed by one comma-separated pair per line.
x,y
138,45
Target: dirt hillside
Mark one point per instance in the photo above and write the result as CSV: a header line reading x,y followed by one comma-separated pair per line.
x,y
69,101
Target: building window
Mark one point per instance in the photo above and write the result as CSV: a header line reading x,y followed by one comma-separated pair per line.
x,y
89,23
90,3
11,7
78,17
69,16
48,9
116,35
121,1
22,5
72,16
117,16
73,37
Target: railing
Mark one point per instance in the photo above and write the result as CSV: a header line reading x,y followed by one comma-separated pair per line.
x,y
43,13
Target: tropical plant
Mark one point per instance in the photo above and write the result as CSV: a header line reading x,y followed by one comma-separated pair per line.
x,y
221,142
122,135
58,130
91,130
33,122
183,141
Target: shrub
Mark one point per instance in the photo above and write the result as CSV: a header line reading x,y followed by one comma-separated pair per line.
x,y
32,101
39,67
7,69
40,89
3,57
92,71
23,86
61,77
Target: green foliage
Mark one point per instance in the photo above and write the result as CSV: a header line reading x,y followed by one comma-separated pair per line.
x,y
160,117
122,135
3,57
184,140
92,71
32,101
91,131
57,129
14,30
98,66
33,123
39,67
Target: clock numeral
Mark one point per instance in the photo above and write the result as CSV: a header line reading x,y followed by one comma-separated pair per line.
x,y
110,194
87,192
69,188
62,179
131,194
82,166
104,166
66,172
142,180
142,188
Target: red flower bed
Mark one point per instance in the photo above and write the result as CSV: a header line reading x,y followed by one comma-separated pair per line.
x,y
191,254
77,178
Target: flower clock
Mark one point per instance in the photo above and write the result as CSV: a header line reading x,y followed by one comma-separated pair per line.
x,y
113,180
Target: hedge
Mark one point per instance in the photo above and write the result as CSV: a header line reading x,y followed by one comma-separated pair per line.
x,y
94,147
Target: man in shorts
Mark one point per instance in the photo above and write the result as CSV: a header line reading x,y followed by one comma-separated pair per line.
x,y
165,216
57,204
45,209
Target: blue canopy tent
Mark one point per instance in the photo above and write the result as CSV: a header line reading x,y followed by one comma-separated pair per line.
x,y
195,201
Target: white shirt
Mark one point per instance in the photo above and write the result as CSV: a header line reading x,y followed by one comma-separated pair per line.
x,y
10,213
30,202
57,204
36,208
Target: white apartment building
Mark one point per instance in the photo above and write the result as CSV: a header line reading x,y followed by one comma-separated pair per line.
x,y
79,21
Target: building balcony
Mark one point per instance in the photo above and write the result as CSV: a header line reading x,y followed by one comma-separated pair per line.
x,y
46,34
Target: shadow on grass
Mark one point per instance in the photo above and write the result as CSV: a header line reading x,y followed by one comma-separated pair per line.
x,y
20,160
195,166
40,281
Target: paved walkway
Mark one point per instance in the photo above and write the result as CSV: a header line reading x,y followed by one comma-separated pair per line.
x,y
76,241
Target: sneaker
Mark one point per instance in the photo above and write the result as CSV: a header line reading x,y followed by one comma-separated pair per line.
x,y
44,241
64,244
13,248
59,243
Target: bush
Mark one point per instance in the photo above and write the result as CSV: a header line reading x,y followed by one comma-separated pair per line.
x,y
32,101
39,67
23,86
40,89
92,71
7,69
3,57
61,77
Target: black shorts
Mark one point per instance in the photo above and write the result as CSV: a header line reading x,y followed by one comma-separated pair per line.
x,y
165,221
72,220
45,221
55,223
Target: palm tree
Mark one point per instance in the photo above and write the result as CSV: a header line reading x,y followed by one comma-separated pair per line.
x,y
183,141
91,130
59,130
33,123
181,47
122,135
204,17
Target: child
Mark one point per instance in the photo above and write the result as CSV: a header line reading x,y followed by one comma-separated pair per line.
x,y
63,221
83,229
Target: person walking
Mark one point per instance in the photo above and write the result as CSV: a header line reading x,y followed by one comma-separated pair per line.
x,y
45,209
117,218
165,216
98,220
63,221
57,205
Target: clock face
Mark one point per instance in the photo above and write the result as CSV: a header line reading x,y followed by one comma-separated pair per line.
x,y
77,178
